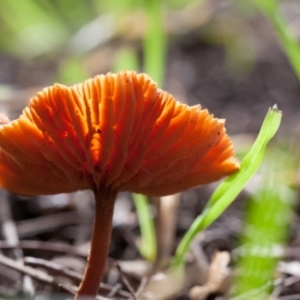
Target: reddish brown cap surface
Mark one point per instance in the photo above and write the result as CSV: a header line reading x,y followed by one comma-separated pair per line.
x,y
117,131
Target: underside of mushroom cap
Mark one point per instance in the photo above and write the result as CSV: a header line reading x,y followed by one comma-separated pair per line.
x,y
115,131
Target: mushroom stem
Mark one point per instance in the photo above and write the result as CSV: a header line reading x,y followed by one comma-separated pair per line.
x,y
95,268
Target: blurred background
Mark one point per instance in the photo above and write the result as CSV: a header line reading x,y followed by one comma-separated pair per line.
x,y
232,57
222,54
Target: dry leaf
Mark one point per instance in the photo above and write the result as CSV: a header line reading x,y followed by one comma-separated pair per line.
x,y
217,274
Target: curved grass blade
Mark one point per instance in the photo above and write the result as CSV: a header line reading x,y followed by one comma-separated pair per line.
x,y
268,219
232,186
289,43
155,41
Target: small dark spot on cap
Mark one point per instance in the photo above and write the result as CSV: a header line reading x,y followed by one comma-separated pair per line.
x,y
99,130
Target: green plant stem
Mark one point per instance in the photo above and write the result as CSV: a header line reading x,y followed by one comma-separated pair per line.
x,y
147,244
99,245
155,41
289,43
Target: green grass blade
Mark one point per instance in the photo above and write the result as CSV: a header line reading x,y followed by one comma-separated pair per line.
x,y
72,70
155,41
252,160
288,42
154,50
125,59
147,243
232,186
268,219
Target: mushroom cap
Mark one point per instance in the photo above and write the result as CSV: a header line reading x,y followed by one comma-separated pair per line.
x,y
115,131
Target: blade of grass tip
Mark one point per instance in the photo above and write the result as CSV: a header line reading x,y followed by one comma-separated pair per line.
x,y
288,42
252,160
147,243
155,41
232,186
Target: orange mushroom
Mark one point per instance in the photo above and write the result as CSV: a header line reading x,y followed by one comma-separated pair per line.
x,y
111,133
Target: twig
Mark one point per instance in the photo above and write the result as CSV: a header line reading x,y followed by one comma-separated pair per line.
x,y
116,288
53,268
55,248
56,269
46,223
10,234
125,281
35,274
142,285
